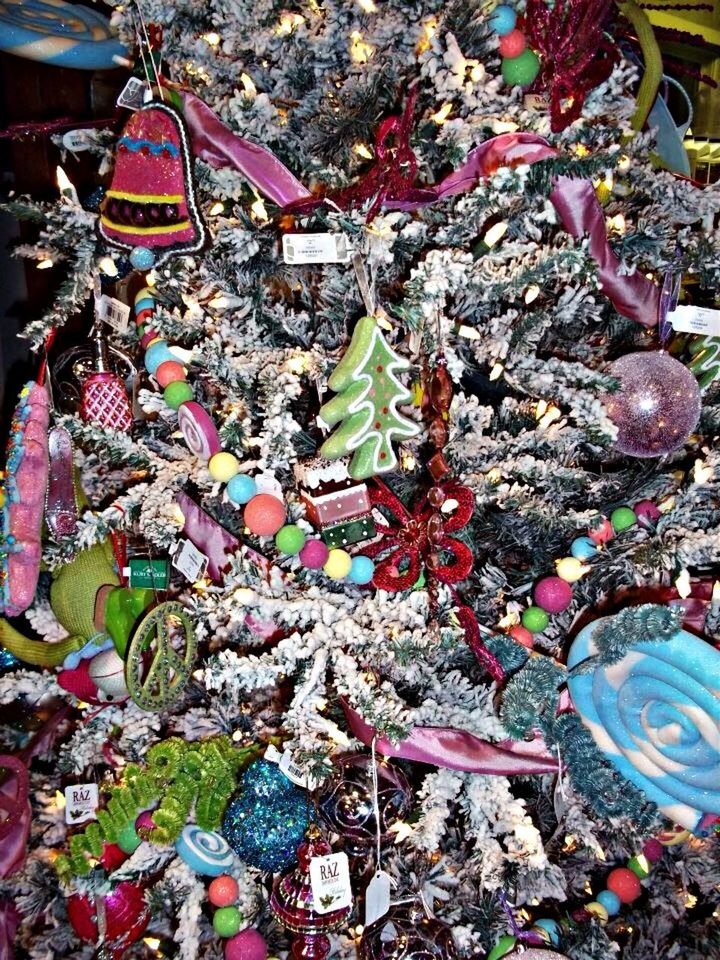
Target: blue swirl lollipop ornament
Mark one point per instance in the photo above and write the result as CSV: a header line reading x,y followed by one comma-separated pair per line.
x,y
204,851
59,33
654,712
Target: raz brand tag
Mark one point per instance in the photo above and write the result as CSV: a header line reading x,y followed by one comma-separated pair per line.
x,y
315,248
702,320
191,562
81,802
330,882
132,96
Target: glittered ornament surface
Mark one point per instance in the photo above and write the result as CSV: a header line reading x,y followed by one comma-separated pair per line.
x,y
536,953
346,802
657,406
407,933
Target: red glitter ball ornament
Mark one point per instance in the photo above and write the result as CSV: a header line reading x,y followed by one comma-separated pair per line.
x,y
624,884
653,850
126,916
264,515
512,44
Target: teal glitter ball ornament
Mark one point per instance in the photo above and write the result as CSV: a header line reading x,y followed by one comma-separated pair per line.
x,y
521,71
142,258
266,823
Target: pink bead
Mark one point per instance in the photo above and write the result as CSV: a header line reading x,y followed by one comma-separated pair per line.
x,y
264,515
553,595
601,532
512,44
314,554
169,371
246,945
647,512
147,337
653,850
145,821
223,891
522,635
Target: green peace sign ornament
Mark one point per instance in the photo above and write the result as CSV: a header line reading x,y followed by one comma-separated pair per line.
x,y
160,657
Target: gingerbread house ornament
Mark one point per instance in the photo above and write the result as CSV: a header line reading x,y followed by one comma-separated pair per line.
x,y
338,505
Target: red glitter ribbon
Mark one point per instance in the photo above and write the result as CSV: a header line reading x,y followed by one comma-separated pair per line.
x,y
414,541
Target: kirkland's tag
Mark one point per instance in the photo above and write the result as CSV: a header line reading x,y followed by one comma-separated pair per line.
x,y
114,313
330,882
315,248
191,562
133,94
81,802
146,573
703,320
377,897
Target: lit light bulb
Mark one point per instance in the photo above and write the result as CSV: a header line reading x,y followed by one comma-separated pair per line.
x,y
288,23
258,211
362,151
532,293
44,264
108,266
443,113
214,40
496,232
368,6
682,584
360,51
496,371
65,186
249,88
216,208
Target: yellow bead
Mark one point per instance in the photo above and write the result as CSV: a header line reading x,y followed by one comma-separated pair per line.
x,y
337,566
2,499
598,910
223,467
151,342
570,570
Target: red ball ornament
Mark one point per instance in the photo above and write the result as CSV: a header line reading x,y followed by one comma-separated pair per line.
x,y
624,884
553,595
601,532
522,636
646,512
169,371
126,916
512,44
223,891
112,857
144,316
264,515
246,945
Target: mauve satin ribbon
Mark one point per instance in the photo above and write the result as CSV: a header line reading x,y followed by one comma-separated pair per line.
x,y
9,919
217,145
458,749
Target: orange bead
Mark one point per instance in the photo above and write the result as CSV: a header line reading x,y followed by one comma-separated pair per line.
x,y
264,515
624,884
223,891
169,371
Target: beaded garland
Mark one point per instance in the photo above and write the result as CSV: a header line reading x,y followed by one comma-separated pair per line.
x,y
553,594
263,514
520,65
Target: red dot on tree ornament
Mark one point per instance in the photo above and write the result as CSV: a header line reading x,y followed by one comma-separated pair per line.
x,y
377,424
386,409
383,456
624,884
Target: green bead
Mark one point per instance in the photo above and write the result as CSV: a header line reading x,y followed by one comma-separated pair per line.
x,y
502,947
226,921
535,620
290,539
622,519
521,71
177,392
639,866
127,838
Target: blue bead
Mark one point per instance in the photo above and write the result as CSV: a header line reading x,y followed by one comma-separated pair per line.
x,y
361,570
147,303
552,927
503,19
142,258
156,354
609,900
583,548
241,489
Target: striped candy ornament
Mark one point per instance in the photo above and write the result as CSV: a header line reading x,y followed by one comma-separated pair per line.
x,y
655,714
59,33
204,851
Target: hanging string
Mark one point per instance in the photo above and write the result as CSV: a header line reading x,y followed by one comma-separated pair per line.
x,y
149,53
376,805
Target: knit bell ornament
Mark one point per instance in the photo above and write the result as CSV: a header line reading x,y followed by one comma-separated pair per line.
x,y
150,207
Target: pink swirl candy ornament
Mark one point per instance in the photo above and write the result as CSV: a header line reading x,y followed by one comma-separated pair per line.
x,y
26,480
198,430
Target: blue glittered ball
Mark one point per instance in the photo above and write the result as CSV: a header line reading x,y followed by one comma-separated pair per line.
x,y
241,488
265,779
8,661
502,19
361,570
142,258
266,831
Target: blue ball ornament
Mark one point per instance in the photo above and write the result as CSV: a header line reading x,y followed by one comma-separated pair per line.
x,y
361,570
156,354
609,900
502,19
8,661
583,548
551,927
142,258
265,831
241,488
265,779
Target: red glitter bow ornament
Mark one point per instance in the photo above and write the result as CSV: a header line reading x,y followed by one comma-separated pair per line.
x,y
417,540
575,54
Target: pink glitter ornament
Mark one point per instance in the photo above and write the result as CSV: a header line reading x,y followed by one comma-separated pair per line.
x,y
646,512
314,554
246,945
553,595
657,406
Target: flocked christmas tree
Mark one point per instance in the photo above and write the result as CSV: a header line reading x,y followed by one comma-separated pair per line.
x,y
550,784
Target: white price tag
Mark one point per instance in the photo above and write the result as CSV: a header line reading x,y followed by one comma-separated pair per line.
x,y
114,313
132,96
315,248
702,320
377,897
191,562
81,802
330,882
78,140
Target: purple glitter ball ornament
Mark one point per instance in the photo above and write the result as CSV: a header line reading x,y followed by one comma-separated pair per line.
x,y
657,406
405,932
345,803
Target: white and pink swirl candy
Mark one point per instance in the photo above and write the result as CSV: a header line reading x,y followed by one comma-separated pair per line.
x,y
198,430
